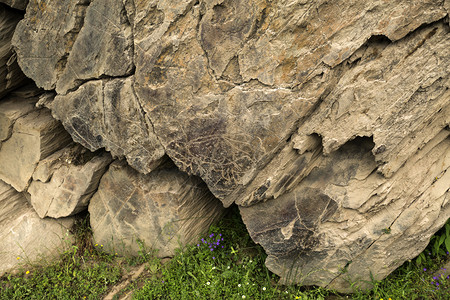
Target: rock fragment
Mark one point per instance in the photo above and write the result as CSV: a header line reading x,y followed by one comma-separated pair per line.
x,y
64,182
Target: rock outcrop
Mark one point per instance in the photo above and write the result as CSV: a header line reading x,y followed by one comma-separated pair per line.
x,y
326,122
162,210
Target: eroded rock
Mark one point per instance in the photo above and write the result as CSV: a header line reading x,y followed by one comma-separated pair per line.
x,y
339,225
44,38
297,111
164,209
106,114
24,237
64,182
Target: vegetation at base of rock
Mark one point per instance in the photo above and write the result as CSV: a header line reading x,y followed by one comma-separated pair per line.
x,y
205,270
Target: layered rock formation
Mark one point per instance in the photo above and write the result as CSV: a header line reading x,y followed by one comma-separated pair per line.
x,y
326,122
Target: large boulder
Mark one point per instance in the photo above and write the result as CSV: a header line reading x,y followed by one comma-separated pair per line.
x,y
162,210
24,237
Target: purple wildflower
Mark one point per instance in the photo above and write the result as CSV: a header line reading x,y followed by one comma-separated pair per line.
x,y
424,269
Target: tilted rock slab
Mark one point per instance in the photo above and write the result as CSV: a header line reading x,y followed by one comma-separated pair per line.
x,y
251,95
106,114
344,222
34,136
163,210
24,237
64,182
11,76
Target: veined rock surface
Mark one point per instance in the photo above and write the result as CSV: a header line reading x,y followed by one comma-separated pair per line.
x,y
162,210
326,122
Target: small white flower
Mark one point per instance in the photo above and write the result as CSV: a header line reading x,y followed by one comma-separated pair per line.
x,y
243,296
250,261
264,288
228,267
213,268
286,292
239,285
208,283
248,283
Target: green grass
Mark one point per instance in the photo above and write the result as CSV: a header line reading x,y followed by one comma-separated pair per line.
x,y
234,269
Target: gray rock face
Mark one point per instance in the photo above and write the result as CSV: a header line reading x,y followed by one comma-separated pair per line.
x,y
342,220
24,237
10,74
44,38
164,209
324,121
104,38
64,182
106,114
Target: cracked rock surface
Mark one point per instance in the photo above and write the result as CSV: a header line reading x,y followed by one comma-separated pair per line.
x,y
324,121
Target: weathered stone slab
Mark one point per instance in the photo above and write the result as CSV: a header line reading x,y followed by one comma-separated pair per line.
x,y
64,182
24,237
164,209
106,113
44,38
409,110
11,109
339,225
34,136
111,47
10,74
257,74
